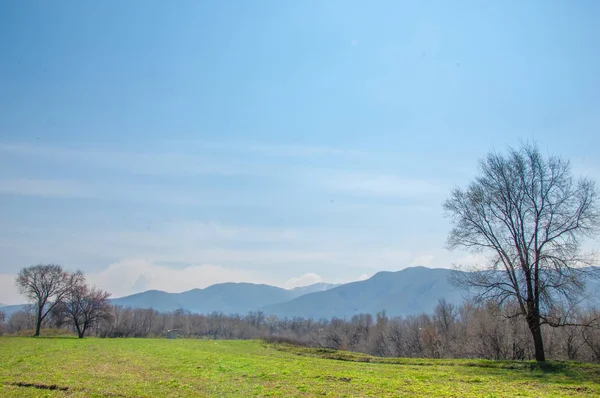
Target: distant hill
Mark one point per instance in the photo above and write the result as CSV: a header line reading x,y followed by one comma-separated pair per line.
x,y
410,291
229,298
11,309
155,299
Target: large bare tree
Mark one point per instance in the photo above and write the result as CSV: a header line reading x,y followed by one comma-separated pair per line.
x,y
528,214
45,286
84,306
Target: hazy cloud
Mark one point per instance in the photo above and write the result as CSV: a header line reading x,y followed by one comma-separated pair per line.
x,y
123,278
9,293
425,260
303,280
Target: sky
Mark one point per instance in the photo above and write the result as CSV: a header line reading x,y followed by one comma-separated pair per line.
x,y
174,145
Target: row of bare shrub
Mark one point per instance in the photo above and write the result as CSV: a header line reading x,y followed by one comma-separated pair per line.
x,y
466,331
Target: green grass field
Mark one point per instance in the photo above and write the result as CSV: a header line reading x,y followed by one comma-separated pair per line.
x,y
160,368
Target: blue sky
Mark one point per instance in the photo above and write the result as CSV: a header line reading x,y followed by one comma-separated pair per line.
x,y
176,145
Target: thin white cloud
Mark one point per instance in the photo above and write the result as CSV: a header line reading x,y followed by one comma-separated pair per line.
x,y
212,234
251,246
186,242
135,163
127,165
45,188
192,158
144,193
272,150
357,258
383,185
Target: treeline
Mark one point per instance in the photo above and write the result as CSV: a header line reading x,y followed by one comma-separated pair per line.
x,y
466,331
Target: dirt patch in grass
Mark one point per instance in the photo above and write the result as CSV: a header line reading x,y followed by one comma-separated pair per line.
x,y
40,386
344,379
54,387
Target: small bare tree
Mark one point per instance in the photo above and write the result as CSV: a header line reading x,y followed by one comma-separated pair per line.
x,y
85,307
529,214
591,334
45,286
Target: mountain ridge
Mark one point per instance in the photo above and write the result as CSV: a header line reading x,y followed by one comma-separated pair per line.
x,y
409,291
228,297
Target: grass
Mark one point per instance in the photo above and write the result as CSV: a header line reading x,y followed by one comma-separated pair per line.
x,y
63,366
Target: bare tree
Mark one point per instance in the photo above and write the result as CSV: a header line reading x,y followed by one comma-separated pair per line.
x,y
444,319
45,286
20,320
85,307
529,214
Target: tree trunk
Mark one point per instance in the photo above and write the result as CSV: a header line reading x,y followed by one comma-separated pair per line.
x,y
38,321
538,341
80,330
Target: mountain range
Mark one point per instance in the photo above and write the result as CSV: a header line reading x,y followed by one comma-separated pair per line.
x,y
409,291
229,298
